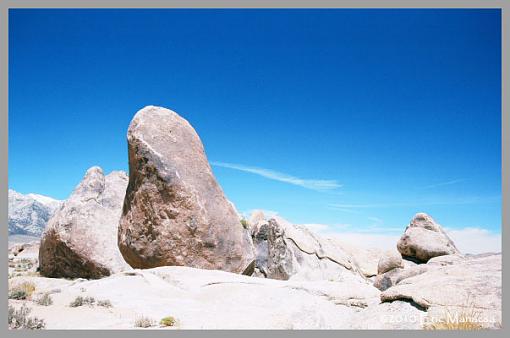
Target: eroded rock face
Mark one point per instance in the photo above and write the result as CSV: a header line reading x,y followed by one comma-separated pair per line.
x,y
80,240
285,251
175,213
424,239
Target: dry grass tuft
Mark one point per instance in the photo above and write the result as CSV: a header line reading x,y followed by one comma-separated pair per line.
x,y
45,300
144,322
22,291
80,301
467,317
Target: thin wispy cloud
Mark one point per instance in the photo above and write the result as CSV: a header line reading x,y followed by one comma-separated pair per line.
x,y
349,207
430,202
312,184
442,184
376,222
349,211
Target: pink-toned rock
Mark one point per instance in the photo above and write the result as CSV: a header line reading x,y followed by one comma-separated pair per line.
x,y
80,240
424,239
175,213
389,260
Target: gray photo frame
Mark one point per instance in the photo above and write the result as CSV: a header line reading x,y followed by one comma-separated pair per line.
x,y
6,5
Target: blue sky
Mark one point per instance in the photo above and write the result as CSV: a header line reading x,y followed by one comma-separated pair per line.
x,y
353,118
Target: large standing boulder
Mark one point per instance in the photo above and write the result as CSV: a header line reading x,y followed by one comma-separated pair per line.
x,y
80,240
175,213
424,239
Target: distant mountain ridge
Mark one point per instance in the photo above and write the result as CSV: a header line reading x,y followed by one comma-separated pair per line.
x,y
28,214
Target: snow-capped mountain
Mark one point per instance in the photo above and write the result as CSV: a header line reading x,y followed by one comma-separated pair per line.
x,y
28,214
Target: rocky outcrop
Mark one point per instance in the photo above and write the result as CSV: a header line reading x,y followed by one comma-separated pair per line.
x,y
392,269
80,240
366,259
455,284
285,250
174,212
16,249
23,258
389,261
393,277
29,214
424,239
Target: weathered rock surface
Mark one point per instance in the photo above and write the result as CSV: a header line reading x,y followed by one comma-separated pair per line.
x,y
210,299
80,240
17,249
367,259
389,261
285,250
207,299
397,315
424,239
455,283
175,213
23,258
395,276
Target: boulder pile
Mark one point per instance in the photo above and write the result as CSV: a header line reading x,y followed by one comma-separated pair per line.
x,y
171,218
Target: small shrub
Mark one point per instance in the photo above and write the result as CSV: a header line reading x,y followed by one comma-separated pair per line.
x,y
44,300
244,223
80,301
22,291
17,294
19,319
144,322
25,263
167,321
105,303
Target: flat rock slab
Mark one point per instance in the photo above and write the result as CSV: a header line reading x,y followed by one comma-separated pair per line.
x,y
455,282
204,299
